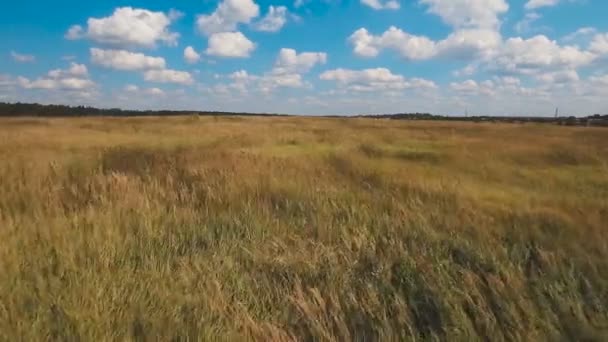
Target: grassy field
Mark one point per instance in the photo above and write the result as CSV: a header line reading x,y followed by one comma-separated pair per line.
x,y
234,228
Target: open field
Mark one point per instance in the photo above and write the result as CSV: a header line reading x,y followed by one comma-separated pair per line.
x,y
201,228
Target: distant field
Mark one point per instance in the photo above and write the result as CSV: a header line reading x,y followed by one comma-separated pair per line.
x,y
203,228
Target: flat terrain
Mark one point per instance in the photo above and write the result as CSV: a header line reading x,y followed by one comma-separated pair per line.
x,y
235,228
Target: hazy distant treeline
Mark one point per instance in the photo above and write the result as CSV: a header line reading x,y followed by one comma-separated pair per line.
x,y
35,109
428,116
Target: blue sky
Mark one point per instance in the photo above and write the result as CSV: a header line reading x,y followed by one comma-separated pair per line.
x,y
492,57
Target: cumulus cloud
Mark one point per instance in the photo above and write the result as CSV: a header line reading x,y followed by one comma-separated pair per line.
x,y
475,33
409,46
534,4
191,56
382,5
466,87
599,44
274,20
227,16
153,68
529,56
462,43
289,61
75,70
468,13
485,49
582,32
75,32
558,77
125,60
154,91
6,81
602,80
22,58
130,88
269,82
288,71
243,83
525,24
128,26
378,79
74,78
289,68
168,76
498,88
229,44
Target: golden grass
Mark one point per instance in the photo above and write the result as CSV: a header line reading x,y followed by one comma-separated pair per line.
x,y
208,228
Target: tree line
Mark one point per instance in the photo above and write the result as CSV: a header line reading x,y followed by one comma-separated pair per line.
x,y
39,110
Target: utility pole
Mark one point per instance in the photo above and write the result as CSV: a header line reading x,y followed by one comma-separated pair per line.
x,y
556,112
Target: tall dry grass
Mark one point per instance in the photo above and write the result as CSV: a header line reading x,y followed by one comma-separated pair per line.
x,y
301,229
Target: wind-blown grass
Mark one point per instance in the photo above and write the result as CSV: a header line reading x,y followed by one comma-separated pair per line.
x,y
301,229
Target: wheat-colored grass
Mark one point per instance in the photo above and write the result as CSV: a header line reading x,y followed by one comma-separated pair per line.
x,y
243,228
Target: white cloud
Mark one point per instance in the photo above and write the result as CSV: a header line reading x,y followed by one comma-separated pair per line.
x,y
409,46
603,79
558,77
128,26
229,44
500,88
131,88
6,82
168,76
274,20
287,72
289,61
243,83
22,58
580,33
485,49
599,44
125,60
175,14
155,91
468,86
347,76
529,56
288,69
464,43
191,56
272,81
466,71
378,79
468,13
227,16
534,4
76,77
240,75
469,43
75,69
299,3
381,5
75,32
147,91
525,24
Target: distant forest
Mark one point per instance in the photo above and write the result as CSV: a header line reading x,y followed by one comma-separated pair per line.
x,y
39,110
